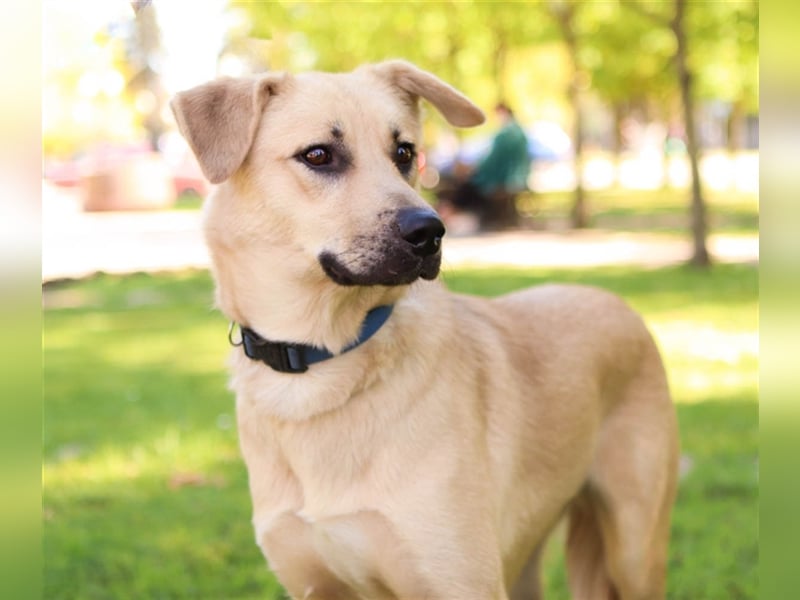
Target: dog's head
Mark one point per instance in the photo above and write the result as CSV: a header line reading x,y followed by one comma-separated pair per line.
x,y
320,170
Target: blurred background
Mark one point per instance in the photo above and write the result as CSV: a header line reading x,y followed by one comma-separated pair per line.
x,y
603,90
642,127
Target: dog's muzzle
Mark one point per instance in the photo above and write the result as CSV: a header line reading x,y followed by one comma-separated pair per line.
x,y
406,245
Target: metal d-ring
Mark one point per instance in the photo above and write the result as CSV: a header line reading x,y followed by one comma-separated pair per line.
x,y
231,326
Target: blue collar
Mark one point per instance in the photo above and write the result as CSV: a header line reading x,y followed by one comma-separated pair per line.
x,y
286,357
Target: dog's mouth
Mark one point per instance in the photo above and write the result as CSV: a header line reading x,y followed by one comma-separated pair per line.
x,y
394,269
405,248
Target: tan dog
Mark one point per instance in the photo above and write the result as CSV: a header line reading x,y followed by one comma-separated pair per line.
x,y
432,459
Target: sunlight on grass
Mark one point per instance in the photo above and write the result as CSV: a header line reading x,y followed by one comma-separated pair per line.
x,y
169,456
705,362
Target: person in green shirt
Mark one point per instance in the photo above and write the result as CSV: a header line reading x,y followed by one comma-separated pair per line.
x,y
490,189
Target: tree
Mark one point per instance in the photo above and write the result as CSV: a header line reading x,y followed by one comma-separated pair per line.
x,y
466,44
565,14
724,55
676,23
623,79
143,53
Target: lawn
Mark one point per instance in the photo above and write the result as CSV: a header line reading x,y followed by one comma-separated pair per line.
x,y
145,495
664,210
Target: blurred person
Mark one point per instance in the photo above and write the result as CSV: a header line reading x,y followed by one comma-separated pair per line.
x,y
489,191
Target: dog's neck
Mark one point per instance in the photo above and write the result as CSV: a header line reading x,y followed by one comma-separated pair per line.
x,y
282,302
296,358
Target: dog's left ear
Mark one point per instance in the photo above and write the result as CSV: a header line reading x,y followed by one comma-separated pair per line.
x,y
454,106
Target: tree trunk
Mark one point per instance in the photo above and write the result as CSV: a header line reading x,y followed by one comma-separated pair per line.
x,y
580,211
499,61
700,255
147,46
735,129
619,139
579,214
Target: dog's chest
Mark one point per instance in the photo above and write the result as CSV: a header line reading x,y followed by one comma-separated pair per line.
x,y
345,556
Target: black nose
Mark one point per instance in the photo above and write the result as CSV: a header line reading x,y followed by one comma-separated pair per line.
x,y
422,228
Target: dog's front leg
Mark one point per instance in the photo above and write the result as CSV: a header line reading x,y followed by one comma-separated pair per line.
x,y
288,544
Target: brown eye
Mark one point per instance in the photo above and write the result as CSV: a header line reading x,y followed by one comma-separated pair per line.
x,y
404,157
317,156
404,154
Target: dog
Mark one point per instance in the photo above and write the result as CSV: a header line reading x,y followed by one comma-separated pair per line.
x,y
403,441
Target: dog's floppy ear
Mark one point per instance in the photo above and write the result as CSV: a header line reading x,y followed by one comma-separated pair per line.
x,y
454,106
219,120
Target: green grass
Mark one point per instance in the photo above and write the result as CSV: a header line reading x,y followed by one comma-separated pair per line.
x,y
145,495
664,210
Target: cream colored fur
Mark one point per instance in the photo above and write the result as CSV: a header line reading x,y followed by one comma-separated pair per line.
x,y
432,461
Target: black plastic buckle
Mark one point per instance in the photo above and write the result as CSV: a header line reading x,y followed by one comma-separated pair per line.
x,y
283,357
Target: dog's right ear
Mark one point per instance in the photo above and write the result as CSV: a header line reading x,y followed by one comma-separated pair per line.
x,y
219,120
454,106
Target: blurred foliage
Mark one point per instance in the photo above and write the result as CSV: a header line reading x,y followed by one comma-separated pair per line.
x,y
725,39
85,73
514,51
507,51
